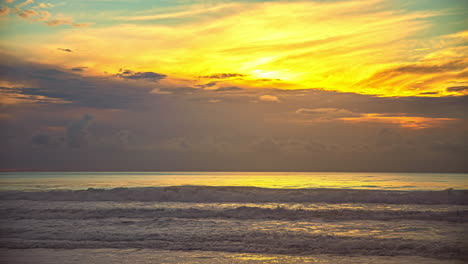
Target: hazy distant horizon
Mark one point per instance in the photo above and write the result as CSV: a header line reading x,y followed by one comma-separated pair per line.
x,y
234,171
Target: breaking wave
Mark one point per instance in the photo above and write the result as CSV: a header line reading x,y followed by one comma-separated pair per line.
x,y
240,219
207,194
256,242
241,213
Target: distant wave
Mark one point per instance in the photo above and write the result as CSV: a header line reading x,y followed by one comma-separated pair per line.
x,y
241,213
207,194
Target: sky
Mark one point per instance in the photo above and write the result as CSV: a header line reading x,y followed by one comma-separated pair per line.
x,y
197,85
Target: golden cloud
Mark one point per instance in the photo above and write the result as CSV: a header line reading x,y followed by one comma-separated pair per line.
x,y
349,46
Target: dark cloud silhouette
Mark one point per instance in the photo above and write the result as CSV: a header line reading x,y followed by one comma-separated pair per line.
x,y
41,139
77,133
328,113
66,50
457,89
229,89
388,137
55,85
78,69
266,145
223,75
268,80
458,148
149,76
174,128
210,84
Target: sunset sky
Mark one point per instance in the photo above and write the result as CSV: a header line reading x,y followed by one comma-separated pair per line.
x,y
324,85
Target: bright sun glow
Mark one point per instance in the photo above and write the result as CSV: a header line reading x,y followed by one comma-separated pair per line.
x,y
347,46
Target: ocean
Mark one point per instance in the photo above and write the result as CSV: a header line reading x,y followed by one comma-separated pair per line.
x,y
233,217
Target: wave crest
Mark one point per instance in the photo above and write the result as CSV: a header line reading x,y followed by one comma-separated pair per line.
x,y
206,194
241,213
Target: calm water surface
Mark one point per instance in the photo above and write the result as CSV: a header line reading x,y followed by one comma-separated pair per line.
x,y
293,180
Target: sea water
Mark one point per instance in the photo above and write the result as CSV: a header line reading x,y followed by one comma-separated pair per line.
x,y
196,217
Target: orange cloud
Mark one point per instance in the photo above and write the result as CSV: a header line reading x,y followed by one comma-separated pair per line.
x,y
27,2
411,122
4,11
403,120
41,15
269,98
27,13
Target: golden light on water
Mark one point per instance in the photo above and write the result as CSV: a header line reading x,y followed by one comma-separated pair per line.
x,y
292,180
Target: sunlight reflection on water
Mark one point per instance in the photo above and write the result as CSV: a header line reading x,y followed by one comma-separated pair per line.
x,y
137,256
386,181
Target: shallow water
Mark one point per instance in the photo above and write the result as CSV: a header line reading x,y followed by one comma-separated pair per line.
x,y
143,256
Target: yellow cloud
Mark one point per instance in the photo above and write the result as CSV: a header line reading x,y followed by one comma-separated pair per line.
x,y
194,10
349,46
269,98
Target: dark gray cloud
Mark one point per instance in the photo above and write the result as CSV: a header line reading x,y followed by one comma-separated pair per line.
x,y
77,133
388,137
450,148
268,80
56,85
174,128
41,139
443,107
78,69
223,75
148,76
210,84
66,50
328,113
229,89
429,93
266,145
457,89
